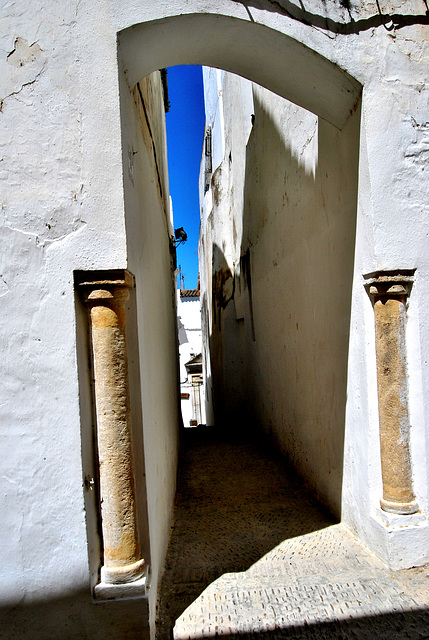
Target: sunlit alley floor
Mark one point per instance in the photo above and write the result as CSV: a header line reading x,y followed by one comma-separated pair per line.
x,y
253,554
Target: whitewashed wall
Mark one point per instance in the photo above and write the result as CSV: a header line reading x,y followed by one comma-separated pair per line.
x,y
190,337
282,228
67,205
190,345
149,230
282,352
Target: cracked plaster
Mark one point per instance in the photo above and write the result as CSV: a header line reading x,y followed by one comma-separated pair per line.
x,y
21,68
60,130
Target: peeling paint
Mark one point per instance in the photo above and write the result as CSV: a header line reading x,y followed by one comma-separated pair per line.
x,y
22,68
23,53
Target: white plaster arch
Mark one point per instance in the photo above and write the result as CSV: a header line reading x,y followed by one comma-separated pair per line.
x,y
257,52
262,53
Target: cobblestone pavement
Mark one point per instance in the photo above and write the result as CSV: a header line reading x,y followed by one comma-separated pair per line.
x,y
253,554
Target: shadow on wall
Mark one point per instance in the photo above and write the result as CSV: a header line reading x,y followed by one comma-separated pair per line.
x,y
281,320
227,349
149,230
346,25
75,617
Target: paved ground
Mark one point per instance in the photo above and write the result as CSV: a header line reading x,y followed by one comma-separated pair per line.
x,y
253,554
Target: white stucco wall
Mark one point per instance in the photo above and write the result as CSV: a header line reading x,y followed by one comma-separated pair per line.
x,y
63,210
58,214
285,197
288,195
190,345
190,336
66,205
149,230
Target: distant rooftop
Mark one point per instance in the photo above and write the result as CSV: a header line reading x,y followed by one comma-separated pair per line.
x,y
189,293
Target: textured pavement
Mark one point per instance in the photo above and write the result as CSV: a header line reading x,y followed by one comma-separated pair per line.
x,y
253,554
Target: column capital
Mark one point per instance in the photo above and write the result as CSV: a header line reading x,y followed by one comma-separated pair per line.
x,y
103,280
389,284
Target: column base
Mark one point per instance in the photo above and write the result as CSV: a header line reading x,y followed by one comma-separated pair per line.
x,y
105,592
401,508
123,575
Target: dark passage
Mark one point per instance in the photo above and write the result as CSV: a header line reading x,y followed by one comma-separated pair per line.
x,y
236,501
253,553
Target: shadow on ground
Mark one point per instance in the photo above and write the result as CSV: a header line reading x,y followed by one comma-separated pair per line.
x,y
411,625
254,555
74,617
236,501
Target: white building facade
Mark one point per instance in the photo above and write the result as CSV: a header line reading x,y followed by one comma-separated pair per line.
x,y
283,250
86,277
190,361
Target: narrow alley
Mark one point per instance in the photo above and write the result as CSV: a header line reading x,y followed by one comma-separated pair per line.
x,y
253,552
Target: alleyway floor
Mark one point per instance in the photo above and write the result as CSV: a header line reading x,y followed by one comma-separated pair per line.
x,y
253,555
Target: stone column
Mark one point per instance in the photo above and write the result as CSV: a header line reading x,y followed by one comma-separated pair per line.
x,y
389,292
105,294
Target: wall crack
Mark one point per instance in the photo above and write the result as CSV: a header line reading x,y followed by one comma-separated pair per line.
x,y
15,93
26,64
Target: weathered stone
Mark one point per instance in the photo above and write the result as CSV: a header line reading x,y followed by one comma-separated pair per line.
x,y
105,299
389,293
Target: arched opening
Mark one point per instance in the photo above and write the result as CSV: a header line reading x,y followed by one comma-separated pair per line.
x,y
254,51
309,296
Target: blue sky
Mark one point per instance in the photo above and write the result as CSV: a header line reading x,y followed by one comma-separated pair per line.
x,y
185,133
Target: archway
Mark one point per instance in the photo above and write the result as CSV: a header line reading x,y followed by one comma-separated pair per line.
x,y
282,64
292,71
